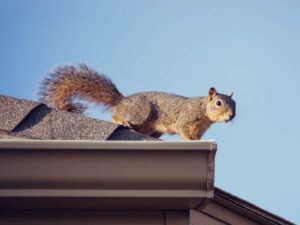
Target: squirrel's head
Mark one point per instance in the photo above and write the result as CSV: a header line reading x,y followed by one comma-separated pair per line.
x,y
220,107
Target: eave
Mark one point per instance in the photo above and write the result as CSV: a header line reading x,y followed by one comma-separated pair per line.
x,y
106,174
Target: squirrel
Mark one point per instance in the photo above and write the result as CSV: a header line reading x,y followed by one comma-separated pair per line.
x,y
150,113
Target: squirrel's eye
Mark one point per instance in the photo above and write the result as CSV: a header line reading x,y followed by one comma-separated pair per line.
x,y
218,103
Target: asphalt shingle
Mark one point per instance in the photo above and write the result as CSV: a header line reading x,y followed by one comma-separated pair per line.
x,y
32,120
13,111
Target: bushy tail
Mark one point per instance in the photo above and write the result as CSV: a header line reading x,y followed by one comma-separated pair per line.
x,y
69,82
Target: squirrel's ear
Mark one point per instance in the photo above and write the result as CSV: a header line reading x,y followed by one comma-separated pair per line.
x,y
212,93
231,95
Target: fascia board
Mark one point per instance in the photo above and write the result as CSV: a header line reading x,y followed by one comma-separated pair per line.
x,y
100,174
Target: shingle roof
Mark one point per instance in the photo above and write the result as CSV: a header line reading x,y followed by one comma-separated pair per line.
x,y
13,111
246,208
23,119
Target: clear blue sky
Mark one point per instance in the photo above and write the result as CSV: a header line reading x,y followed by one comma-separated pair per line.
x,y
250,47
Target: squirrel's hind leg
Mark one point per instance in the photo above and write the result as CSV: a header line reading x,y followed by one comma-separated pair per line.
x,y
135,112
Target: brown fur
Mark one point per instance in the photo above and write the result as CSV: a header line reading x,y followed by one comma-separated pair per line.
x,y
151,113
68,82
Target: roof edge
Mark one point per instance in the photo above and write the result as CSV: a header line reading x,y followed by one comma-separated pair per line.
x,y
105,144
246,208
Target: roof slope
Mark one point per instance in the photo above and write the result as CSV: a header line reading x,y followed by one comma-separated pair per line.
x,y
246,208
23,119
